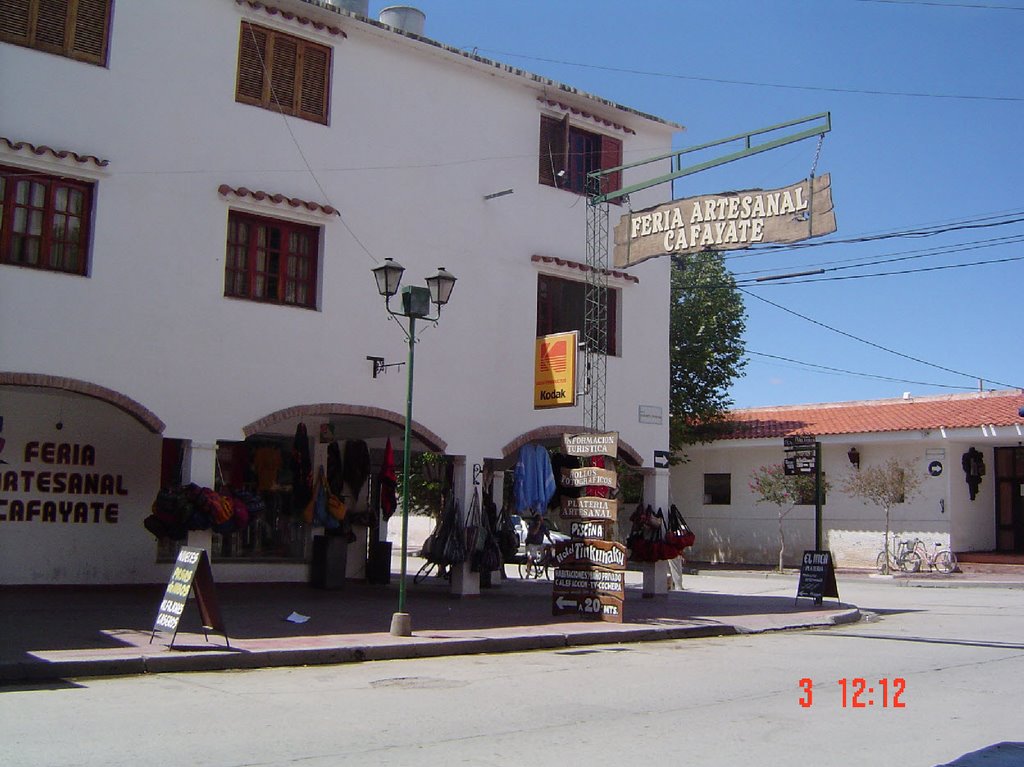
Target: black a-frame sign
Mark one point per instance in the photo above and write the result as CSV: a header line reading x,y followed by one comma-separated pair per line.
x,y
817,577
192,574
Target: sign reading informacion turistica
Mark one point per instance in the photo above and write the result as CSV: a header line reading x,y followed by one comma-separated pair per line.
x,y
591,443
727,221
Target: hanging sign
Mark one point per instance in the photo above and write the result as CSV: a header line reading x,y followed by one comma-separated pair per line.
x,y
591,444
587,507
727,221
554,374
589,476
590,528
817,576
191,574
589,579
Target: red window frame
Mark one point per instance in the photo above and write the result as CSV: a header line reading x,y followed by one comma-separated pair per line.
x,y
568,153
561,308
271,260
45,221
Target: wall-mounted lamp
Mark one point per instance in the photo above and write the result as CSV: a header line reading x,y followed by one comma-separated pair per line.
x,y
854,457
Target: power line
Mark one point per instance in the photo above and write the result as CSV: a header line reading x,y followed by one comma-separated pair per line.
x,y
888,274
873,344
827,369
933,3
787,86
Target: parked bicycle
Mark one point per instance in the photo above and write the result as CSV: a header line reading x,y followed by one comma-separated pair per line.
x,y
897,554
916,554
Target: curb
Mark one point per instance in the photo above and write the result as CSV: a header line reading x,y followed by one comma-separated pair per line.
x,y
425,647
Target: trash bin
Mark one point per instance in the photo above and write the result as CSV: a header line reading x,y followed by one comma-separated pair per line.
x,y
378,563
330,559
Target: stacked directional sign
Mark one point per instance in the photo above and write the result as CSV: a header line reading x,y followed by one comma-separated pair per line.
x,y
800,454
589,569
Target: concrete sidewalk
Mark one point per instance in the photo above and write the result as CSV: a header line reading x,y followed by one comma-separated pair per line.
x,y
57,633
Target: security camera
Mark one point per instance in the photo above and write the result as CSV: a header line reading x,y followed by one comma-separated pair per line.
x,y
1020,412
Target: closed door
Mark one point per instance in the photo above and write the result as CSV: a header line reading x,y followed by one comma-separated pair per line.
x,y
1009,498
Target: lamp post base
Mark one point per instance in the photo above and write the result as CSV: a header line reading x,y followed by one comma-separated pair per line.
x,y
401,625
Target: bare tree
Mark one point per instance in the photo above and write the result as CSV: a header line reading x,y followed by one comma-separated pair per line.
x,y
772,485
884,486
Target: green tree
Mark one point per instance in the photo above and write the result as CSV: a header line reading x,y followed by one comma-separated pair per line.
x,y
771,484
884,485
706,347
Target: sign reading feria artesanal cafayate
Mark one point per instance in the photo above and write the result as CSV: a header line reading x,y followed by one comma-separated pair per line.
x,y
727,221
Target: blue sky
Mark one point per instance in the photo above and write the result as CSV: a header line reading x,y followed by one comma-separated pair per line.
x,y
927,105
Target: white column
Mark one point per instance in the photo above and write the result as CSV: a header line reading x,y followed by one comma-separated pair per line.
x,y
656,574
200,468
465,583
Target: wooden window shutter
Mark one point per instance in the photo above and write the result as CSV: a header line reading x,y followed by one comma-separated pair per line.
x,y
315,83
51,25
252,52
553,146
284,54
14,21
611,156
90,31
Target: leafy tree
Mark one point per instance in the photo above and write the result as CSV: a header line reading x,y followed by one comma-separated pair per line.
x,y
771,484
426,477
706,347
892,482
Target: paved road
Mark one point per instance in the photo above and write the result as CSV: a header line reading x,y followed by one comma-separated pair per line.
x,y
713,701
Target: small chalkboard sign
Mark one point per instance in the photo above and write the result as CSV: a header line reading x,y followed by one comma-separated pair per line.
x,y
191,574
817,577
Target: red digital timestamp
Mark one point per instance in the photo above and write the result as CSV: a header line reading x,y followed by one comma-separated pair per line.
x,y
886,693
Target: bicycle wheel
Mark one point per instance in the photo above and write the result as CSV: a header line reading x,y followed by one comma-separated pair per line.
x,y
945,561
910,562
424,572
880,562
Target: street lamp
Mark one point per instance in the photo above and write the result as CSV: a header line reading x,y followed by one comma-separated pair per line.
x,y
416,303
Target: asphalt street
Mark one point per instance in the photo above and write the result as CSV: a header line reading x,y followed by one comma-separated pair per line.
x,y
929,677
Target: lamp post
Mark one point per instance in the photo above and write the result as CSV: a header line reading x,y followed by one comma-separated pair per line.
x,y
416,303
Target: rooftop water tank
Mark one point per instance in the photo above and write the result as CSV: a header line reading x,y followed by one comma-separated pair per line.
x,y
362,7
404,18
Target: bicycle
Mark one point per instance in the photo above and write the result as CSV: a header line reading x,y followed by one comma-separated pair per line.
x,y
896,556
917,554
428,568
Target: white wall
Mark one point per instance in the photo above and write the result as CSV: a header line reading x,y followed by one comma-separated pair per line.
x,y
747,532
417,137
74,537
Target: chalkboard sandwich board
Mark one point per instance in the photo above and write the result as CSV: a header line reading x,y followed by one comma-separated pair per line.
x,y
191,574
817,577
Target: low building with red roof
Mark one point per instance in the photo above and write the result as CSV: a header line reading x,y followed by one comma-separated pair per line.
x,y
968,448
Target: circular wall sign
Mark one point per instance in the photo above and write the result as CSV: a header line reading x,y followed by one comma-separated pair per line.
x,y
935,468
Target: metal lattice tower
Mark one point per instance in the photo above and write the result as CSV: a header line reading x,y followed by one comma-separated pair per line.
x,y
595,318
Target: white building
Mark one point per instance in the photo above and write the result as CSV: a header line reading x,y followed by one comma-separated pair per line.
x,y
193,196
967,448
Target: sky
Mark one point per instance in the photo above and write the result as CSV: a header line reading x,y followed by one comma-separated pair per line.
x,y
924,279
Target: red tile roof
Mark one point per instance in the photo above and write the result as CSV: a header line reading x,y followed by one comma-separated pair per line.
x,y
955,411
293,202
583,267
60,154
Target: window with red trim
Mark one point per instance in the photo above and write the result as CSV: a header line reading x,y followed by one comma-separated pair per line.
x,y
271,260
44,221
568,153
561,307
77,29
284,73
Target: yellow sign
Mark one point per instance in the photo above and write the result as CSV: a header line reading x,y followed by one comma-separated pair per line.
x,y
554,371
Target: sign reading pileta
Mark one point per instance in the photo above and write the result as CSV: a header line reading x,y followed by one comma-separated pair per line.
x,y
589,508
727,221
591,444
589,475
